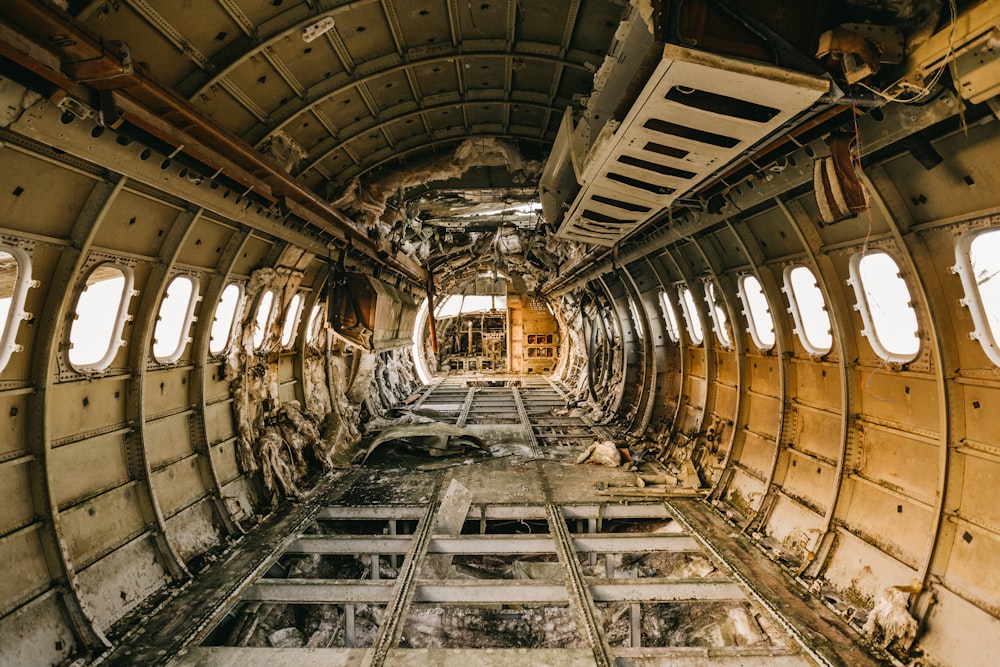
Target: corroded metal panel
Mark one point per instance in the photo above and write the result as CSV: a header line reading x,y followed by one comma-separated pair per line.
x,y
102,523
73,465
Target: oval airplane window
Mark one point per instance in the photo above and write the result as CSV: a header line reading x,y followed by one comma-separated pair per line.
x,y
670,317
99,317
225,316
978,265
640,332
291,325
758,312
812,322
884,304
262,320
174,319
694,327
15,279
317,319
719,318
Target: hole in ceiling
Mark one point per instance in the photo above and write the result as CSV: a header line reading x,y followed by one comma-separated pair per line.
x,y
388,85
276,3
262,79
430,40
307,50
221,36
435,69
347,101
360,28
484,6
423,12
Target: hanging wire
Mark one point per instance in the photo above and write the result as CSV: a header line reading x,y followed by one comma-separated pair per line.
x,y
928,87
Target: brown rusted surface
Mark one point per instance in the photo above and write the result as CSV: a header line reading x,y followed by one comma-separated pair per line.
x,y
826,633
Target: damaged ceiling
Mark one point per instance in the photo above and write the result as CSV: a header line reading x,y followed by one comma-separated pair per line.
x,y
377,104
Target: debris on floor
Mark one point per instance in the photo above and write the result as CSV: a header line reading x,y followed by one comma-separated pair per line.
x,y
890,623
434,439
601,452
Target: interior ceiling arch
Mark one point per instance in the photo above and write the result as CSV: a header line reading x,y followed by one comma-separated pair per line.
x,y
385,84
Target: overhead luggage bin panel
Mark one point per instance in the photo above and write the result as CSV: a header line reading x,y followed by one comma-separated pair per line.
x,y
698,114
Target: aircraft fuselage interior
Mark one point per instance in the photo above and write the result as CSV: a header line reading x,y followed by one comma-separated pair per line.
x,y
500,332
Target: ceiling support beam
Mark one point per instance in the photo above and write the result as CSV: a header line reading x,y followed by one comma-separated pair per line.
x,y
159,111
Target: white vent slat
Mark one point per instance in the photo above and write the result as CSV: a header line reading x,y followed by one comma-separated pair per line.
x,y
698,114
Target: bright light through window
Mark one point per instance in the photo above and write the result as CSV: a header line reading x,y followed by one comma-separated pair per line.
x,y
636,320
809,310
95,334
984,253
978,255
758,312
262,321
718,316
225,315
315,324
691,316
456,304
884,304
670,318
170,334
291,321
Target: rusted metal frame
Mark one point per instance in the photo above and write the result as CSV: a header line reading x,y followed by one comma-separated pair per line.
x,y
335,41
738,343
282,69
160,111
394,28
526,421
647,299
322,92
397,609
199,387
844,339
576,583
169,32
463,413
236,13
454,24
644,348
383,122
626,348
698,296
933,301
41,410
749,586
783,348
616,292
136,442
680,361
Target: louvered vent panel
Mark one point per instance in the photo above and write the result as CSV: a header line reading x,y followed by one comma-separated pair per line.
x,y
697,114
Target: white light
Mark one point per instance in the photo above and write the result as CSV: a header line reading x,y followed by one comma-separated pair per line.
x,y
317,29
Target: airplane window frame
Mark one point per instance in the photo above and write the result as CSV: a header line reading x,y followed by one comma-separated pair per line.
x,y
983,329
718,315
182,336
751,316
867,295
234,318
695,327
290,324
262,326
801,327
115,340
317,318
11,323
670,322
637,323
